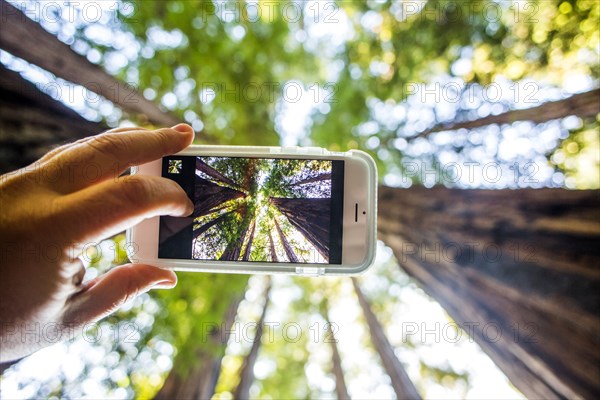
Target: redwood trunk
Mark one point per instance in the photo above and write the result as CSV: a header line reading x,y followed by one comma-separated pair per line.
x,y
247,371
246,256
517,269
289,251
213,173
310,217
401,383
200,381
209,195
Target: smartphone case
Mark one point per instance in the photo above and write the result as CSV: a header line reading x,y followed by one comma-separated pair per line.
x,y
253,267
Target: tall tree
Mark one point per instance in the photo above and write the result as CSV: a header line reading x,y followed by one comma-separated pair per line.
x,y
236,240
289,251
242,390
517,269
199,382
336,361
310,217
272,251
246,256
213,173
401,383
209,195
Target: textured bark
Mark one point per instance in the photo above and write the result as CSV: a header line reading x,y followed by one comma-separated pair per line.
x,y
242,390
248,249
209,195
200,381
289,251
523,263
32,122
234,248
403,386
213,173
26,39
310,217
272,251
585,105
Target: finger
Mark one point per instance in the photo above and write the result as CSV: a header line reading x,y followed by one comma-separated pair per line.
x,y
111,207
107,155
58,150
110,291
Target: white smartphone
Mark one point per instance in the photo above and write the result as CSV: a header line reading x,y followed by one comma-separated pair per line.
x,y
294,210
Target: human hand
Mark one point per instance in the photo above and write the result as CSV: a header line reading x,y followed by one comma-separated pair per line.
x,y
51,210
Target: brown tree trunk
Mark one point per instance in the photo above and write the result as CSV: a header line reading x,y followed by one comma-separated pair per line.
x,y
310,217
517,269
272,249
246,256
234,248
209,224
213,173
209,195
26,39
318,178
242,391
341,388
585,105
286,245
199,382
401,383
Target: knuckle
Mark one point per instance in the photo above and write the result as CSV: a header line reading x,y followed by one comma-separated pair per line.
x,y
110,144
137,190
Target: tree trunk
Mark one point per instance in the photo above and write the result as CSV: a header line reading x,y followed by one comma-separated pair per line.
x,y
200,381
585,105
336,361
310,217
286,245
272,249
26,39
242,391
517,269
401,383
318,178
209,195
246,256
209,224
213,173
234,248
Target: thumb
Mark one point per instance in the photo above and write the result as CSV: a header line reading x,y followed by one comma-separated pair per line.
x,y
105,294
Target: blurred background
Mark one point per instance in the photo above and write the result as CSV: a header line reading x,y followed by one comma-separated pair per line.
x,y
399,79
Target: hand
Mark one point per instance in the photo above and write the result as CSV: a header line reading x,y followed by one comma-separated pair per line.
x,y
71,197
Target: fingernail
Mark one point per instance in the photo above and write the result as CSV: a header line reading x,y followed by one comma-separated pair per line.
x,y
166,284
183,128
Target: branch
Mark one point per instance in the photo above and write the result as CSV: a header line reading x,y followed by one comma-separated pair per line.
x,y
583,105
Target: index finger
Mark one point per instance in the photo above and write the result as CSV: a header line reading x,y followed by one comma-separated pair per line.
x,y
107,155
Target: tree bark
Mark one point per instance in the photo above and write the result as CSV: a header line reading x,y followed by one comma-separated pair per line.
x,y
403,386
286,245
234,248
272,249
517,269
209,195
201,380
248,249
213,173
26,39
242,390
341,388
585,105
310,217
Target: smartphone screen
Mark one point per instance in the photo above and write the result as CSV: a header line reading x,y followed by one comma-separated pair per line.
x,y
256,210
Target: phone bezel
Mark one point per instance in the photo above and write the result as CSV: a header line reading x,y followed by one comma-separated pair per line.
x,y
359,229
